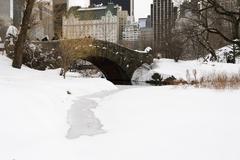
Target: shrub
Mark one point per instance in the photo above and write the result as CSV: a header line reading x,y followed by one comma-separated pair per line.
x,y
156,79
220,81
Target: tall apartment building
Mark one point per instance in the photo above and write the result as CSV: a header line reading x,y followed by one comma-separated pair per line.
x,y
59,10
146,36
219,20
100,23
5,9
232,5
5,19
122,16
131,32
42,21
189,7
163,17
126,4
18,9
229,4
145,22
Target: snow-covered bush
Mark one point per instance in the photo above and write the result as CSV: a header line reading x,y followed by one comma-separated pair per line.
x,y
158,80
34,57
226,54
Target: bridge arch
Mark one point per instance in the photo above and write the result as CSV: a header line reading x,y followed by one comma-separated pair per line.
x,y
115,61
112,71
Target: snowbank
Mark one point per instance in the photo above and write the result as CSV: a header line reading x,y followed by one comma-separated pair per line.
x,y
168,123
33,113
222,54
168,67
145,123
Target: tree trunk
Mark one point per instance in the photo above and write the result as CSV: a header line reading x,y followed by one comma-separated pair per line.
x,y
19,46
235,31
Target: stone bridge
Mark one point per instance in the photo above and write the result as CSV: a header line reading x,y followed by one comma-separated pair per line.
x,y
116,62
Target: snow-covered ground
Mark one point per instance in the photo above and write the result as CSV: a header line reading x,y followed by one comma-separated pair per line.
x,y
170,123
168,67
97,121
33,113
223,52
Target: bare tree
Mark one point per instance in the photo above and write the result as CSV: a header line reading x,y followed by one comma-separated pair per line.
x,y
18,50
196,36
173,46
215,15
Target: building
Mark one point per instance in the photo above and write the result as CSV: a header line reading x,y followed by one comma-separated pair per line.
x,y
148,22
122,17
5,19
189,7
127,5
42,21
5,9
59,10
145,22
163,17
131,34
100,23
18,9
220,20
146,36
142,22
230,4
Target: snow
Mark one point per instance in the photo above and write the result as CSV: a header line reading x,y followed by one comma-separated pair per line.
x,y
172,123
34,104
222,54
147,50
168,67
12,30
97,121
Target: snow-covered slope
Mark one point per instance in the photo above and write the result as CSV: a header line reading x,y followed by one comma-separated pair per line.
x,y
168,67
222,54
142,123
33,110
170,123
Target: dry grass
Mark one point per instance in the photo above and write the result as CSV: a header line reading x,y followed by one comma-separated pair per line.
x,y
219,81
212,80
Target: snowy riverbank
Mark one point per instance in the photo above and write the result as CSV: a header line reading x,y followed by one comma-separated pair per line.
x,y
168,67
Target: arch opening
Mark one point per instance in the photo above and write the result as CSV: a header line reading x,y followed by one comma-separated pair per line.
x,y
112,71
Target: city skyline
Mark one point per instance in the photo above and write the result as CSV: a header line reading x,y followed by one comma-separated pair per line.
x,y
127,5
141,9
